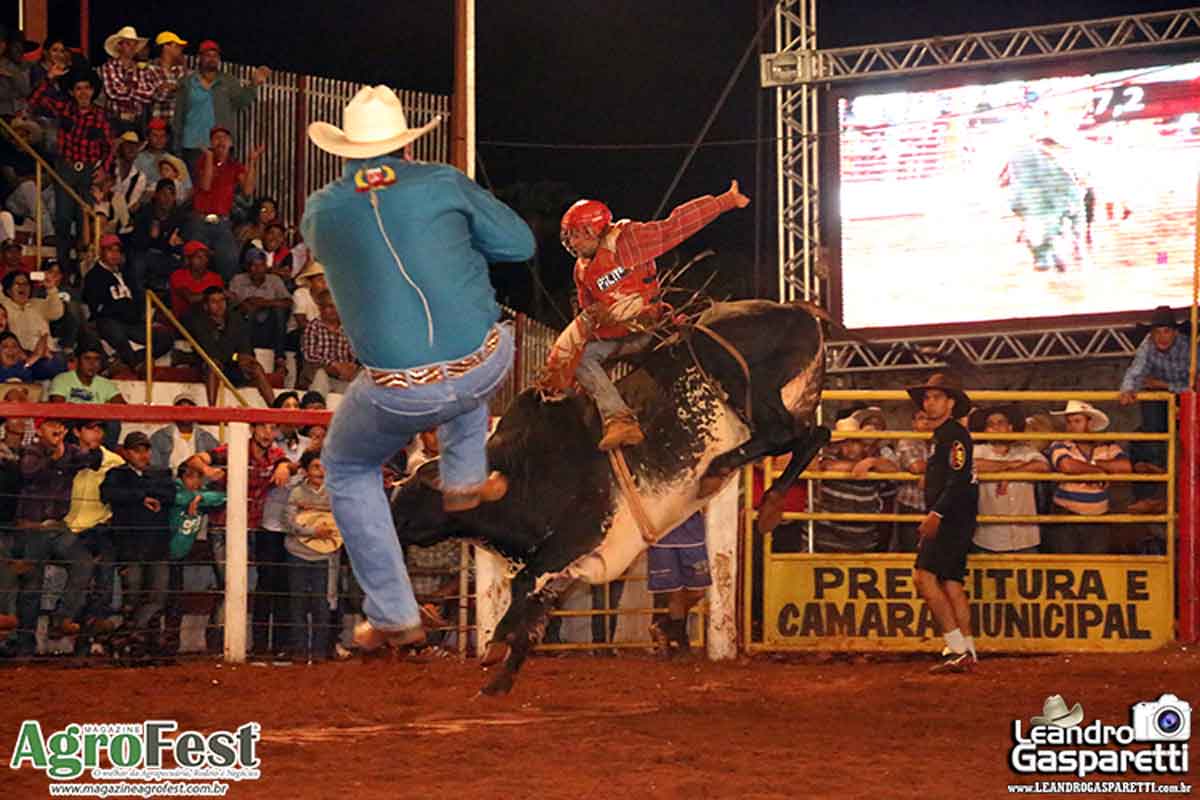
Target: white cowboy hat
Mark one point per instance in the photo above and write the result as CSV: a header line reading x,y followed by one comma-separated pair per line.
x,y
374,124
128,32
1098,419
1054,712
310,269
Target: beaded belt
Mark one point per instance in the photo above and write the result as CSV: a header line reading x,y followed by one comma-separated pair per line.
x,y
434,373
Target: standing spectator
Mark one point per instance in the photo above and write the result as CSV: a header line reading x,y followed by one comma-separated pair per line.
x,y
850,496
48,467
313,560
678,567
268,468
1006,498
210,98
173,444
275,515
218,178
158,238
329,360
912,455
89,515
130,185
14,81
1085,499
84,146
164,75
265,302
189,282
116,305
29,318
190,500
224,335
1160,364
149,161
288,437
127,86
141,498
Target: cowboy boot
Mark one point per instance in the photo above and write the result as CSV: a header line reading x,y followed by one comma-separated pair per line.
x,y
621,431
370,638
491,490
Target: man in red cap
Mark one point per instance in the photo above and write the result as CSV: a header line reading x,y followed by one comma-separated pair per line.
x,y
618,287
189,281
209,98
219,177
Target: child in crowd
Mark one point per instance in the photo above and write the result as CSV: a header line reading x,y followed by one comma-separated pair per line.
x,y
312,546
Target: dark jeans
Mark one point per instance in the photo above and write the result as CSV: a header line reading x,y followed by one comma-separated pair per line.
x,y
307,585
268,329
66,328
99,543
36,546
1089,539
1154,420
120,335
269,599
67,211
152,270
599,621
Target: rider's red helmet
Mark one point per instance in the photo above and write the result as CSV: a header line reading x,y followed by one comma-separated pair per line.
x,y
589,216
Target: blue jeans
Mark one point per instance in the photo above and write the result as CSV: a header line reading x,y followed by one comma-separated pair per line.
x,y
370,426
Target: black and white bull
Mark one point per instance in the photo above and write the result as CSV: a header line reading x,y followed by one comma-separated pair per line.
x,y
565,517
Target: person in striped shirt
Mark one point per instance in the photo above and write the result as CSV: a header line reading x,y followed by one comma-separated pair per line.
x,y
1084,498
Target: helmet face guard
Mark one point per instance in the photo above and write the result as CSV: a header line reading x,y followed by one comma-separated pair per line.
x,y
586,216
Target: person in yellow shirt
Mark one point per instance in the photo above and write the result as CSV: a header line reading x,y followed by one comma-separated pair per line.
x,y
89,515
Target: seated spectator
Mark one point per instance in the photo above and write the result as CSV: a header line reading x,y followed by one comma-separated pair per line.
x,y
265,302
218,178
30,317
12,259
141,498
1085,499
131,187
310,281
224,335
64,331
157,144
1006,498
189,282
115,301
266,212
173,444
173,169
850,496
15,363
48,467
312,545
329,360
912,455
279,256
158,238
164,75
22,203
14,79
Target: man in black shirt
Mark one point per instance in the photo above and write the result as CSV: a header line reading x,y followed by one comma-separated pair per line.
x,y
225,336
116,304
952,497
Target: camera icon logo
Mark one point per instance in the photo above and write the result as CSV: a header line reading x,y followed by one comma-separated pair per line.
x,y
1167,719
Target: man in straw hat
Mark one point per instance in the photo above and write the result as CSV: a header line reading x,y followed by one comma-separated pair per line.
x,y
952,497
127,85
406,247
1085,499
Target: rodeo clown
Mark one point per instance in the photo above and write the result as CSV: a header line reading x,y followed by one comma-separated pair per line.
x,y
617,289
406,247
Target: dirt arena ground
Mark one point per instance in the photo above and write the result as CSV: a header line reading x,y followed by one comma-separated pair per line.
x,y
607,727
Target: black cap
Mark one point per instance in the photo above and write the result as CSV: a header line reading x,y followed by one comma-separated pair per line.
x,y
136,439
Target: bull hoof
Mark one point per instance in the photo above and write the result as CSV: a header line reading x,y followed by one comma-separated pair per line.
x,y
711,484
499,685
770,513
495,653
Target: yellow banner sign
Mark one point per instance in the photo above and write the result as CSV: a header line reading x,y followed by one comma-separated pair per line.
x,y
1018,603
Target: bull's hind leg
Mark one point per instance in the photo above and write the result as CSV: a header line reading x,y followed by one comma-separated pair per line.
x,y
501,643
770,511
527,633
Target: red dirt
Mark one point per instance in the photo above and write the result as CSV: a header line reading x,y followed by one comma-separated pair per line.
x,y
596,727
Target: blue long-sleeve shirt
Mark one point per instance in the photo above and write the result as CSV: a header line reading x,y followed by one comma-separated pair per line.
x,y
1171,366
444,229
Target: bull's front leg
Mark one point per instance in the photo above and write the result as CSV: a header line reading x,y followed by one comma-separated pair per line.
x,y
752,450
770,510
527,631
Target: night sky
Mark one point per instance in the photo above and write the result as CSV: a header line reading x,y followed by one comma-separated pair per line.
x,y
599,72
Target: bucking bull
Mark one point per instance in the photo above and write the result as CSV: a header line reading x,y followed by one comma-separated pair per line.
x,y
705,413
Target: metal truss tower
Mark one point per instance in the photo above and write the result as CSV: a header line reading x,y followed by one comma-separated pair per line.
x,y
798,72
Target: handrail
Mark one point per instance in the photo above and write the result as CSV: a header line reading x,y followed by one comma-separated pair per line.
x,y
42,164
153,301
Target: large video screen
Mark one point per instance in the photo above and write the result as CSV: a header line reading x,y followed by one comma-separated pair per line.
x,y
1052,197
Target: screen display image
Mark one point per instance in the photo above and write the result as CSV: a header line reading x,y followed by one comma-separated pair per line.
x,y
1041,198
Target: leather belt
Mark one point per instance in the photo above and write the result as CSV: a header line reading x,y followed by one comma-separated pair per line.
x,y
435,373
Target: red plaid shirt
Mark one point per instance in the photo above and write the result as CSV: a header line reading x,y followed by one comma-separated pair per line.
x,y
258,484
85,135
165,83
323,344
128,89
640,242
